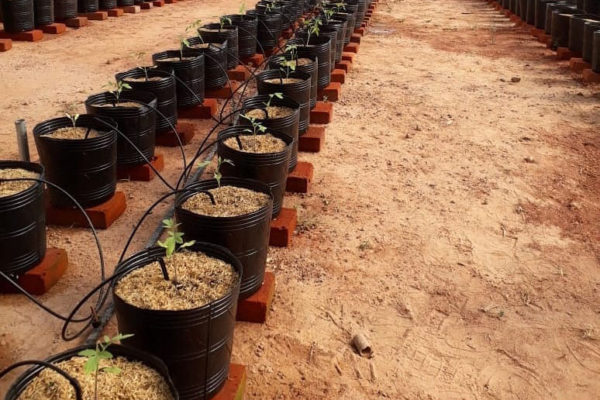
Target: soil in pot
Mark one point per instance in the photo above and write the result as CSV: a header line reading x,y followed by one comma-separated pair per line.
x,y
72,133
196,279
14,187
270,112
189,70
259,144
283,81
135,381
230,201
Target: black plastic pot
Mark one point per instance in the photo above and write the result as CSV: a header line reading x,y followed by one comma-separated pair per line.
x,y
340,28
22,224
319,47
560,29
596,52
246,236
228,33
540,13
190,74
87,6
137,123
215,62
65,9
85,168
268,30
163,90
247,31
558,8
299,92
522,9
43,12
530,12
21,383
124,3
107,4
287,125
588,40
269,168
325,33
591,6
311,69
360,11
576,25
350,20
17,15
195,344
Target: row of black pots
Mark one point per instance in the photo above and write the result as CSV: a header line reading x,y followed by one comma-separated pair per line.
x,y
570,26
25,15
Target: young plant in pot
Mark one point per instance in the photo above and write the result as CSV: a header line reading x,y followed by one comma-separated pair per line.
x,y
313,28
319,47
104,371
189,70
79,154
332,24
162,85
221,32
135,115
293,84
247,31
257,153
215,59
22,216
307,63
278,113
180,300
236,214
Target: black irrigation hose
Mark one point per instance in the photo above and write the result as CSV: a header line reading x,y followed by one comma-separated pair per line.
x,y
72,381
102,296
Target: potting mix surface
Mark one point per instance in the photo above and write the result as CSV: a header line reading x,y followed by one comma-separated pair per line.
x,y
257,143
230,201
134,381
195,279
452,218
272,112
14,187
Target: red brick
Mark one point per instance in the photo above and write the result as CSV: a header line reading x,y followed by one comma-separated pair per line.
x,y
185,130
283,227
29,36
132,9
333,92
338,75
208,109
96,16
322,113
535,32
543,38
256,307
102,215
159,3
43,276
76,22
312,141
5,44
222,93
170,1
355,38
360,31
590,76
255,60
239,73
363,25
563,53
235,385
142,172
347,56
344,65
116,12
299,179
352,47
146,5
54,29
578,65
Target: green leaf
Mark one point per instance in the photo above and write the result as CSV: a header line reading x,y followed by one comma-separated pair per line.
x,y
278,94
87,353
161,244
106,339
112,370
170,248
187,244
91,365
203,164
122,336
125,86
228,161
105,355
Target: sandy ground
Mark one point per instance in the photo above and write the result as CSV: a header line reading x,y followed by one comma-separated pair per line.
x,y
452,217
